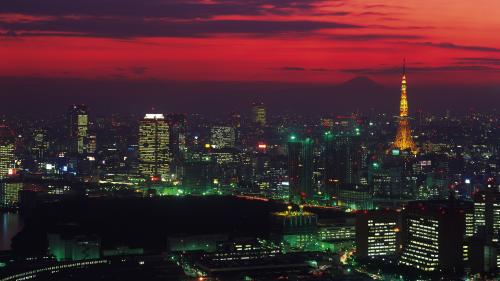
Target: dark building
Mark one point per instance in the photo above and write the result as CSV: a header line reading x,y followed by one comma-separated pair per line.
x,y
177,125
300,168
343,158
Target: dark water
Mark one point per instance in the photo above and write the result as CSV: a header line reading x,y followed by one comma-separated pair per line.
x,y
10,224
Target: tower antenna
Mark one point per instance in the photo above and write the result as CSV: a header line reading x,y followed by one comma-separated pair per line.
x,y
404,66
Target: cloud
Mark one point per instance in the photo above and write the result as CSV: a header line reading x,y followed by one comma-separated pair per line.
x,y
134,27
447,45
175,9
397,69
292,68
298,68
373,36
480,60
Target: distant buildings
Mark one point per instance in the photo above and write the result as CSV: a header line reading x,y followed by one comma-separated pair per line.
x,y
7,147
222,137
154,155
259,114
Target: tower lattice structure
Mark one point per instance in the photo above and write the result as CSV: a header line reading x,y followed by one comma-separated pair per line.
x,y
404,140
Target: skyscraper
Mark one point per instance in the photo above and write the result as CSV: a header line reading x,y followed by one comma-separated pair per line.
x,y
177,125
343,156
78,128
300,168
7,146
154,155
259,114
404,140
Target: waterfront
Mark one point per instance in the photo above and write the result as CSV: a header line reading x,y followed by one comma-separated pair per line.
x,y
11,224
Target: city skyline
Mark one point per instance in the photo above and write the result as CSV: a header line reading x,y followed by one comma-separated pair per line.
x,y
88,49
251,140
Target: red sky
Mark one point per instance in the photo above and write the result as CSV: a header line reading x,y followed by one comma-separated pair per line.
x,y
443,41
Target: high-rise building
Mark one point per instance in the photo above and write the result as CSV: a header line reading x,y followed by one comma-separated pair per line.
x,y
300,168
434,235
487,214
177,125
259,114
404,140
222,137
7,147
378,233
339,159
154,155
342,158
78,118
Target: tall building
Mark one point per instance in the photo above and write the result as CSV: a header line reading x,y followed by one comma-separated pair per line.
x,y
487,215
154,155
259,114
339,159
378,233
177,125
404,140
434,235
222,137
300,168
7,146
78,128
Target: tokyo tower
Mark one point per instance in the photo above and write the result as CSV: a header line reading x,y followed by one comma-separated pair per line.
x,y
403,137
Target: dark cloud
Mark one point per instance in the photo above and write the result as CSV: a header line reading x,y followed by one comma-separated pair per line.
x,y
321,69
373,14
297,68
369,37
397,69
481,60
134,27
292,68
447,45
178,9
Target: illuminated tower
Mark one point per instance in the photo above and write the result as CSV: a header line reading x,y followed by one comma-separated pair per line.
x,y
403,137
154,154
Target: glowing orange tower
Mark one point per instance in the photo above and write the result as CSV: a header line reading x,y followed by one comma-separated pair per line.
x,y
403,137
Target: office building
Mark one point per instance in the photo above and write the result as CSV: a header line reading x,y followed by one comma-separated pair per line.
x,y
487,214
434,235
78,119
378,233
154,156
